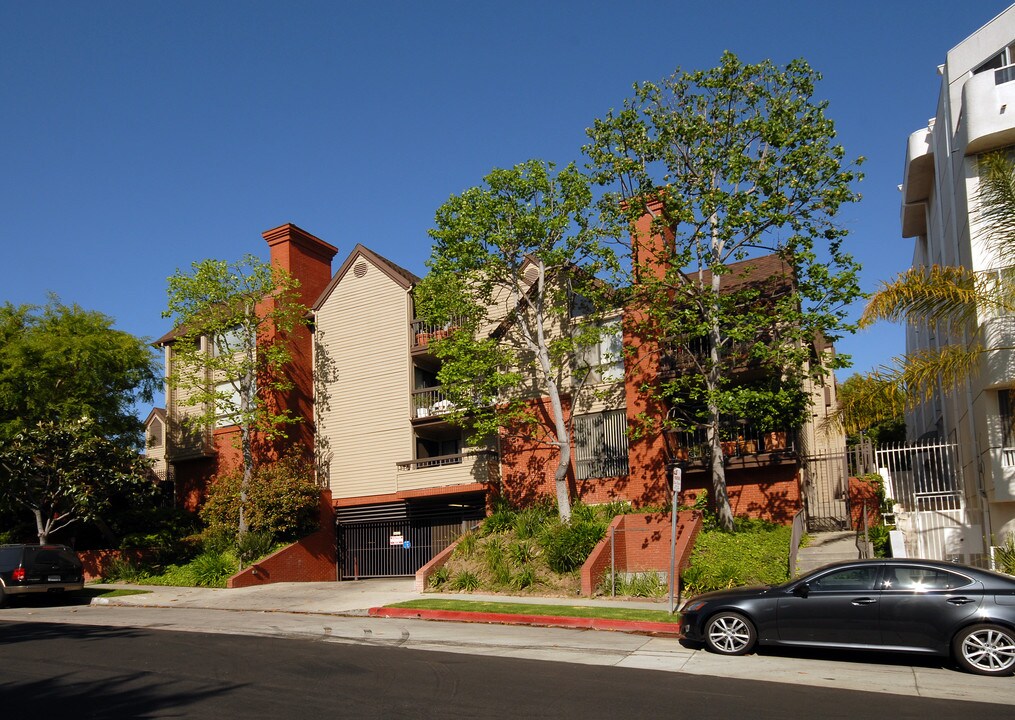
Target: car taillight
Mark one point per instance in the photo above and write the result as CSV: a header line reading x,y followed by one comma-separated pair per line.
x,y
18,575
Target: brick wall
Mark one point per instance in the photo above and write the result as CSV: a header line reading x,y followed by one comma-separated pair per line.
x,y
770,492
96,562
312,559
861,492
641,543
438,561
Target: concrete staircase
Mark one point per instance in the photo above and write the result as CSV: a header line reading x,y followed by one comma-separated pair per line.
x,y
824,548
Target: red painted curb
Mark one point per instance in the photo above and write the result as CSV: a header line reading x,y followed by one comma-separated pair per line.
x,y
655,628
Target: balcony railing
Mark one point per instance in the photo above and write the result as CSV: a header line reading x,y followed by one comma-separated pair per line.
x,y
430,402
422,333
431,462
736,441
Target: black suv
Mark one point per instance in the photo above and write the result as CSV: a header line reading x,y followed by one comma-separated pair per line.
x,y
26,569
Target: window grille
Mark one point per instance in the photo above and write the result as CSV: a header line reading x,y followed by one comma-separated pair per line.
x,y
600,441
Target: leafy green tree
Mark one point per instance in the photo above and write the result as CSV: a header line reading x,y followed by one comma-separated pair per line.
x,y
949,300
65,472
282,500
232,320
730,164
514,261
62,363
882,421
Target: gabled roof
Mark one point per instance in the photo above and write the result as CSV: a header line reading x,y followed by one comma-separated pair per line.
x,y
750,271
400,275
156,413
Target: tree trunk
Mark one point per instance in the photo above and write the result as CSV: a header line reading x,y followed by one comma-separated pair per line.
x,y
246,444
539,345
42,529
721,499
564,458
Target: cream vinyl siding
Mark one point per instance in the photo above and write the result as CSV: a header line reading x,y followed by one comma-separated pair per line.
x,y
181,441
363,326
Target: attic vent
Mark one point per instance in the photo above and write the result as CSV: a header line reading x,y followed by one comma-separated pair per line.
x,y
359,269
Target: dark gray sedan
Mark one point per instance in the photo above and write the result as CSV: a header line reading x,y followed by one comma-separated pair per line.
x,y
919,606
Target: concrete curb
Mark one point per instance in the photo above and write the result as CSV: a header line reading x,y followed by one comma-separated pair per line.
x,y
586,623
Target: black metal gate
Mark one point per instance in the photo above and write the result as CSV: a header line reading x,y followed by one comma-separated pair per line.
x,y
826,491
400,546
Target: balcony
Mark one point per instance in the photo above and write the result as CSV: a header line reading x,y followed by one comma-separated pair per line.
x,y
986,123
741,444
917,182
421,333
475,466
430,403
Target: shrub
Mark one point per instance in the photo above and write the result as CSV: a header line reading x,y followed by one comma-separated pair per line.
x,y
212,569
466,545
524,579
567,547
1004,555
501,573
493,552
881,540
530,521
162,529
253,546
501,520
465,580
756,556
439,577
521,553
648,584
122,569
282,500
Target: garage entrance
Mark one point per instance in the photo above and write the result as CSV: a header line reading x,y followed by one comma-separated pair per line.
x,y
397,539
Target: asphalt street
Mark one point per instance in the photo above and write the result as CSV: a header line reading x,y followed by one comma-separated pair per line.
x,y
89,671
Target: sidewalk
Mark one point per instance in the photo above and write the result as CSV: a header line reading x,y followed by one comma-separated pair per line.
x,y
368,597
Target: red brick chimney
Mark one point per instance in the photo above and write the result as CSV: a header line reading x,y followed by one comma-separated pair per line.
x,y
308,259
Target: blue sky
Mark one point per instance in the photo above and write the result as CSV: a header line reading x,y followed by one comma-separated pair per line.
x,y
138,137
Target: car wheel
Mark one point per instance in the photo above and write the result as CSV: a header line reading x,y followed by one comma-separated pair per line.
x,y
3,596
985,650
730,633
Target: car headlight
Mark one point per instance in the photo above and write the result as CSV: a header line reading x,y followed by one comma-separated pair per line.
x,y
692,606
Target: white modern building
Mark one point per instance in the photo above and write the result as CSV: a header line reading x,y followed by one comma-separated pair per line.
x,y
975,115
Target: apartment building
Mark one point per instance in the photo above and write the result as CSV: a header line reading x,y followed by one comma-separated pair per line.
x,y
940,212
403,479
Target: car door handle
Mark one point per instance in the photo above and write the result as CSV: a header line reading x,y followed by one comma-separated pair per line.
x,y
864,601
960,600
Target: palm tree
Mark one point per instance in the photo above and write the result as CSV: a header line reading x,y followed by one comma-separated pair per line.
x,y
948,300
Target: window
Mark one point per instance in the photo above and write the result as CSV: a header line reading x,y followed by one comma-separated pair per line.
x,y
228,342
155,434
227,404
855,579
605,360
998,283
921,579
1006,406
600,445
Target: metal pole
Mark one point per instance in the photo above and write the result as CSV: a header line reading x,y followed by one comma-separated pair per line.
x,y
673,535
613,563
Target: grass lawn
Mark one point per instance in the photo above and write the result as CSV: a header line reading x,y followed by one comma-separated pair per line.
x,y
95,592
513,608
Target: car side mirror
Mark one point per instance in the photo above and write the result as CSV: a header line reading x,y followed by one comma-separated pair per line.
x,y
802,590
